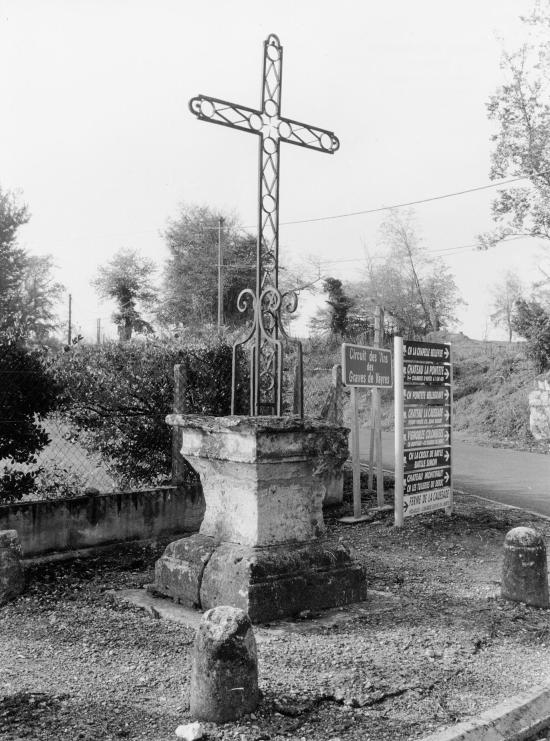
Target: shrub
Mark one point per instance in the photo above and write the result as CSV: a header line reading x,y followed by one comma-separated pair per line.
x,y
28,392
53,481
116,398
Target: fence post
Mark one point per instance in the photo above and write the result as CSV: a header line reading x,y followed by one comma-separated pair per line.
x,y
298,394
179,466
333,408
338,413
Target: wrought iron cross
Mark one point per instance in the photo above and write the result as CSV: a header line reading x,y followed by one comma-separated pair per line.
x,y
266,361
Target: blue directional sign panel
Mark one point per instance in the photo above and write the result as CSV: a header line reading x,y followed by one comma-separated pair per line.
x,y
427,398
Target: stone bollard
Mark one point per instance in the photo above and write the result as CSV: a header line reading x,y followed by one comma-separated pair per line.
x,y
524,572
12,578
224,673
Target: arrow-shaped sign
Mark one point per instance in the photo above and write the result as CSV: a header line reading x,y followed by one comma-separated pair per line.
x,y
419,372
432,352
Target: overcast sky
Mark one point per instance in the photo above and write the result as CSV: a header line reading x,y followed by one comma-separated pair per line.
x,y
96,134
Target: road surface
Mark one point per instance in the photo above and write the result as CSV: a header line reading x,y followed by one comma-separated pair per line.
x,y
507,476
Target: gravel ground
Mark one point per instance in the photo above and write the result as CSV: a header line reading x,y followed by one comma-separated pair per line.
x,y
75,664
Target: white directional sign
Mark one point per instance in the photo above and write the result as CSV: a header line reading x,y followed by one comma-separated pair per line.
x,y
423,427
428,501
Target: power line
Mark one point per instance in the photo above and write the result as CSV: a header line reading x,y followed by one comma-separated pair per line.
x,y
412,203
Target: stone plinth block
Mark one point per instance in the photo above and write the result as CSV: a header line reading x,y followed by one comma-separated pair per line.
x,y
268,583
12,578
178,574
224,672
260,546
524,571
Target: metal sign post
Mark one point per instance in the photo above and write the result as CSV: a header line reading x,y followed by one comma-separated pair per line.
x,y
398,407
362,367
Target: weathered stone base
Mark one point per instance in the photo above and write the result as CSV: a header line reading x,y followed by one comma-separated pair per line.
x,y
268,583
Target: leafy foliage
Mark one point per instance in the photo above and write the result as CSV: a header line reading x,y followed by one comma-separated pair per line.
x,y
521,109
28,392
117,396
12,260
505,295
190,287
127,280
39,295
28,292
54,481
532,321
343,317
417,292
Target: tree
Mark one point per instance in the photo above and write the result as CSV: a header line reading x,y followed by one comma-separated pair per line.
x,y
39,294
417,290
127,280
532,321
28,391
12,261
190,285
333,318
505,295
521,109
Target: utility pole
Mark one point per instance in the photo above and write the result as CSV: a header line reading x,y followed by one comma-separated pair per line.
x,y
98,332
377,409
220,276
70,327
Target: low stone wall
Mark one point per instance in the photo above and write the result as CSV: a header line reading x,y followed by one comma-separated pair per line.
x,y
45,527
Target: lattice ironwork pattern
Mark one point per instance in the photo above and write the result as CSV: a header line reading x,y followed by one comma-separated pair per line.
x,y
267,337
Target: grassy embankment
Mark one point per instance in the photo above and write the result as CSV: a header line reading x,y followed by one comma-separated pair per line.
x,y
492,381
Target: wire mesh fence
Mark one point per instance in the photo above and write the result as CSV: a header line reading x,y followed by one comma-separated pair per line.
x,y
62,461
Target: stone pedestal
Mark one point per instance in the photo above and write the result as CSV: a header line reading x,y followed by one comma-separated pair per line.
x,y
524,569
224,668
260,546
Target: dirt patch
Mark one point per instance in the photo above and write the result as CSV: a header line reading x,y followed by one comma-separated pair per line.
x,y
74,664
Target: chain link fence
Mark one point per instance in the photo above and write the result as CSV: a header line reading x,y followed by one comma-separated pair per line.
x,y
63,465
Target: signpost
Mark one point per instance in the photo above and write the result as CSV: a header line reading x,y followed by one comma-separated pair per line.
x,y
363,367
423,397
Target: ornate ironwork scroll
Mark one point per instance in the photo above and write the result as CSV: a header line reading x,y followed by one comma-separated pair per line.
x,y
267,336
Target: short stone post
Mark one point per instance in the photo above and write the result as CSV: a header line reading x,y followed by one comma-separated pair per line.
x,y
12,578
224,673
524,572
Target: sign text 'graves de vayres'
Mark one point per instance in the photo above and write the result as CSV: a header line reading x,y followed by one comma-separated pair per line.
x,y
423,399
366,366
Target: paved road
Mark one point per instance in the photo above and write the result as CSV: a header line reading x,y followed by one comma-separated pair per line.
x,y
508,476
